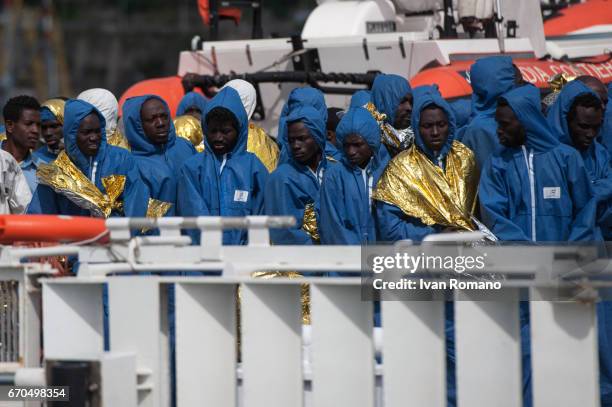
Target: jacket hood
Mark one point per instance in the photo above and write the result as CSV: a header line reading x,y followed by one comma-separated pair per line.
x,y
425,96
74,113
306,96
229,99
525,103
360,98
191,99
490,78
558,111
387,92
358,120
299,97
134,132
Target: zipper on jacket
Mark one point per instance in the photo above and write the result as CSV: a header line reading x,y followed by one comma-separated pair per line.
x,y
529,163
94,168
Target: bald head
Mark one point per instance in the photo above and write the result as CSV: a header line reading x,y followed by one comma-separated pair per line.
x,y
596,86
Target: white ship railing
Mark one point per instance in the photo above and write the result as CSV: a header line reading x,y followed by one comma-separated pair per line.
x,y
340,359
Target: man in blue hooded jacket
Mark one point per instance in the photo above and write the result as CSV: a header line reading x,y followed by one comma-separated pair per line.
x,y
392,96
225,179
431,187
490,78
192,104
535,190
556,203
110,172
346,191
158,152
293,188
305,96
576,117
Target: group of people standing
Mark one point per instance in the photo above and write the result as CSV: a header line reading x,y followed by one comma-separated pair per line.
x,y
398,163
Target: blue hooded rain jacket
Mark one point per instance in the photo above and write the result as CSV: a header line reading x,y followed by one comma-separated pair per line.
x,y
490,78
596,158
230,185
555,202
392,224
388,90
292,185
298,97
158,164
346,191
109,160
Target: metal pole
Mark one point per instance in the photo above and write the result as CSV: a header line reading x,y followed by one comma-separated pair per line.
x,y
257,20
449,20
500,28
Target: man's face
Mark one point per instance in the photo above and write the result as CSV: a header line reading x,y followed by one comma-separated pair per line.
x,y
25,132
52,132
304,148
357,150
155,121
510,131
585,125
221,136
195,112
89,135
433,127
403,112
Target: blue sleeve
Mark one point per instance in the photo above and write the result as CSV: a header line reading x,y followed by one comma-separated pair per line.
x,y
282,200
583,200
602,185
495,205
332,227
393,225
44,202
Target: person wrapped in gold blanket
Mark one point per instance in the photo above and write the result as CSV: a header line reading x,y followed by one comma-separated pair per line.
x,y
431,187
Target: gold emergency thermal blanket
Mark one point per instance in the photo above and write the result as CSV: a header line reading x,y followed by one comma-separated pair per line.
x,y
260,144
425,191
157,208
190,128
56,106
397,139
117,139
66,179
309,223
